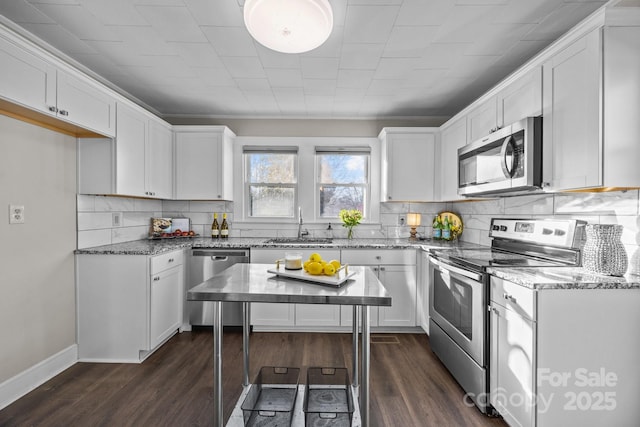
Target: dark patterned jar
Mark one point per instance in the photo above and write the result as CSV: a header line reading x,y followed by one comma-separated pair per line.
x,y
603,251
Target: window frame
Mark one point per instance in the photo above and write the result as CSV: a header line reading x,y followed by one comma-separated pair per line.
x,y
247,184
319,151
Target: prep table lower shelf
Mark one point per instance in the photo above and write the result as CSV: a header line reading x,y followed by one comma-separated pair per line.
x,y
236,419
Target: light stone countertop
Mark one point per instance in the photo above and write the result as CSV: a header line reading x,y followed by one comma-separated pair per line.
x,y
155,247
543,278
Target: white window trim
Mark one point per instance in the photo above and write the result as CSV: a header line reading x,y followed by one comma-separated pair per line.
x,y
307,172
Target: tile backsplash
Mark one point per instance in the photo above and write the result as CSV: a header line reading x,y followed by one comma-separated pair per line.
x,y
97,216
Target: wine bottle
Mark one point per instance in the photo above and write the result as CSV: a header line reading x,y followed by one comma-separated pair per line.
x,y
446,229
215,229
224,228
437,230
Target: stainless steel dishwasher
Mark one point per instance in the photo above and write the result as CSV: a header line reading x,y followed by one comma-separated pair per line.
x,y
206,263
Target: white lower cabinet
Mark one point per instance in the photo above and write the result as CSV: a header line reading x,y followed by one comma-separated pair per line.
x,y
128,305
560,357
293,315
396,269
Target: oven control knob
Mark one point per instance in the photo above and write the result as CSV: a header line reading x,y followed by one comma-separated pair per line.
x,y
495,228
503,228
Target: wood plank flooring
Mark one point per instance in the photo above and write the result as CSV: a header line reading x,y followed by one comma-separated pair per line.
x,y
174,387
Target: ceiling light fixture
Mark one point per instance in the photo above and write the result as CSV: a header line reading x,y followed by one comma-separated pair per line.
x,y
289,26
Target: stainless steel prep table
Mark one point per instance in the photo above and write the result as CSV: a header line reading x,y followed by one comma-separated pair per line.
x,y
248,283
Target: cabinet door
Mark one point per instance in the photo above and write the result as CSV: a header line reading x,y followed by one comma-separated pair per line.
x,y
408,167
86,105
512,366
166,304
26,79
130,156
159,161
400,282
452,138
571,126
482,120
270,314
522,98
198,170
422,292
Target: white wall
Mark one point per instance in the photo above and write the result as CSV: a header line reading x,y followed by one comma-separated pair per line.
x,y
37,290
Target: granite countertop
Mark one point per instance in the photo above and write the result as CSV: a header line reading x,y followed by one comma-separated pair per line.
x,y
155,247
540,278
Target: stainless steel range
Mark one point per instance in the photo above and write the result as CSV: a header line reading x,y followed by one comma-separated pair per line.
x,y
459,291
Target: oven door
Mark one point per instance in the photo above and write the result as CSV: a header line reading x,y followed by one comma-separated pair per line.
x,y
457,303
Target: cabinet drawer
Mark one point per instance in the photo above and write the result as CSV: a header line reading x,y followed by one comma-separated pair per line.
x,y
162,262
379,257
513,296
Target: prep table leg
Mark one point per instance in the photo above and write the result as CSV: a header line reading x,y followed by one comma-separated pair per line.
x,y
246,314
364,380
218,417
355,346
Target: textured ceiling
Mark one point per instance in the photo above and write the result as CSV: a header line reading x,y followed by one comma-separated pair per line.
x,y
384,58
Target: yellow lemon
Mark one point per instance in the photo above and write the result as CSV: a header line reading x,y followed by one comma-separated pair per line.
x,y
315,257
329,270
314,268
335,263
305,265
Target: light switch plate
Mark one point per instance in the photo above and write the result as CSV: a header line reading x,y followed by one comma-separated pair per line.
x,y
16,214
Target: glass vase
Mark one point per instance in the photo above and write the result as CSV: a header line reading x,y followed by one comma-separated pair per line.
x,y
350,233
603,251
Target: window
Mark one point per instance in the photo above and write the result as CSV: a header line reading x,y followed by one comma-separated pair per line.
x,y
343,180
271,181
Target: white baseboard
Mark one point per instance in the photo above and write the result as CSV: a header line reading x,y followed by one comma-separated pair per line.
x,y
16,387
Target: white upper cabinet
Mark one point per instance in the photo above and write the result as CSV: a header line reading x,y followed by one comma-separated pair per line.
x,y
159,160
454,136
83,103
204,162
26,79
34,83
138,162
408,162
518,99
130,152
482,120
590,125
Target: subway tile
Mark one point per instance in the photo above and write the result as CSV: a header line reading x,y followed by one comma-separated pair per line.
x,y
149,205
132,219
613,203
85,203
389,219
493,206
207,206
630,224
394,208
175,206
633,255
94,220
111,204
528,205
128,234
90,238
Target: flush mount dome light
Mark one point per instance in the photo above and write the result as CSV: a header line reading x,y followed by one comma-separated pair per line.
x,y
289,26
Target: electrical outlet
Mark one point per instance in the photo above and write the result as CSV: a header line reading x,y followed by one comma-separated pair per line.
x,y
402,220
116,219
16,214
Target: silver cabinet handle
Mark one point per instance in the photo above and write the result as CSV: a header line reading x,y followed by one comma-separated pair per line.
x,y
383,269
157,278
53,109
508,297
63,112
171,260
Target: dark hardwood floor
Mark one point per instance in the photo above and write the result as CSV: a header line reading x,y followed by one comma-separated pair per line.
x,y
173,387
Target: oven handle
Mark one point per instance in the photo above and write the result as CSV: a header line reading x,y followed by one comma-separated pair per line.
x,y
450,268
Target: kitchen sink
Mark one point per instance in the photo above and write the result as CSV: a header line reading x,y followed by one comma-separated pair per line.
x,y
296,240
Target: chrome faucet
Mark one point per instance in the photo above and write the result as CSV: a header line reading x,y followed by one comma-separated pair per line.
x,y
300,232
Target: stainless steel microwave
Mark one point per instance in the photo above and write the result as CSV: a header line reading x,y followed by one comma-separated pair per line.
x,y
506,162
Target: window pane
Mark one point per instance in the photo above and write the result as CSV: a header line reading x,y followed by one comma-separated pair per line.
x,y
271,168
271,201
342,168
334,198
